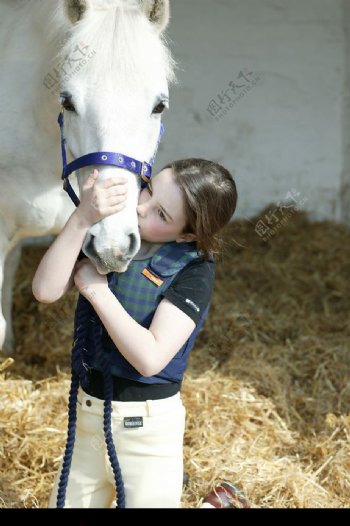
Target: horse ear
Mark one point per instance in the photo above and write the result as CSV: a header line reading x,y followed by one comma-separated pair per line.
x,y
76,9
158,12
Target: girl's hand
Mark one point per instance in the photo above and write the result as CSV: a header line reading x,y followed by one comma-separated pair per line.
x,y
87,280
99,199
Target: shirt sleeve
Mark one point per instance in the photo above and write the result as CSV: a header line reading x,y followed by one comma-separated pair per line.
x,y
192,288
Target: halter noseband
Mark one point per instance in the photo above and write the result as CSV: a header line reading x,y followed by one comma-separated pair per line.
x,y
141,168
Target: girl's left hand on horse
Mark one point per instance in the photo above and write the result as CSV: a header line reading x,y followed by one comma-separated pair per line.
x,y
87,276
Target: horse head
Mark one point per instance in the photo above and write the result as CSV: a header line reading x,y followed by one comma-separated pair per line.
x,y
113,100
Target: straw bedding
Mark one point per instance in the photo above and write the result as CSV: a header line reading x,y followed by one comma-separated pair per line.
x,y
268,386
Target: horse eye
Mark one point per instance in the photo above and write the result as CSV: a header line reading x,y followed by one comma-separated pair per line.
x,y
159,108
67,104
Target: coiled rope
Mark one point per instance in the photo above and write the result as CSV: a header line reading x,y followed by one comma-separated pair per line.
x,y
86,317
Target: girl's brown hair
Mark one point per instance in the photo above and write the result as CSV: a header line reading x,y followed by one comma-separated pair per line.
x,y
210,198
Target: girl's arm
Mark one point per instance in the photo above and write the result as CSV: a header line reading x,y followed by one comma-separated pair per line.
x,y
148,350
55,273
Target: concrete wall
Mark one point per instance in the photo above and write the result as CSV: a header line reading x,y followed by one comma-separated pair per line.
x,y
289,131
345,181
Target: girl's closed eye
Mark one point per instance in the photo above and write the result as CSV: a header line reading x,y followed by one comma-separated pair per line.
x,y
161,214
160,211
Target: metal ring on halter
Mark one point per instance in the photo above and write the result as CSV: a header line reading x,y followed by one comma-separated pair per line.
x,y
145,178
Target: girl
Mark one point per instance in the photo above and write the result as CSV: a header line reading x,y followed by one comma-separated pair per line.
x,y
150,317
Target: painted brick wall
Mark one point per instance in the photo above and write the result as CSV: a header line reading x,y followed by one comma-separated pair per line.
x,y
287,132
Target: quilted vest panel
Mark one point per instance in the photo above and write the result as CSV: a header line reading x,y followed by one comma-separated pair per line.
x,y
139,290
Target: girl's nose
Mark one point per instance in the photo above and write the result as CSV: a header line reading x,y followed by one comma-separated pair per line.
x,y
141,210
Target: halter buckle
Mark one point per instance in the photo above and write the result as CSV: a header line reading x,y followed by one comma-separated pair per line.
x,y
144,169
145,178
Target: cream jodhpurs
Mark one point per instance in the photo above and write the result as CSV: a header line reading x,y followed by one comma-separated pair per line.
x,y
150,457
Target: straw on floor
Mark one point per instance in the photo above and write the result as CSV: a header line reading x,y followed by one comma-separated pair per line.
x,y
267,391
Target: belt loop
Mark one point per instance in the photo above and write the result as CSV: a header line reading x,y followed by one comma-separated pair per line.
x,y
149,407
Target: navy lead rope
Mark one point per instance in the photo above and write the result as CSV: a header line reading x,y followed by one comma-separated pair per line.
x,y
86,317
85,314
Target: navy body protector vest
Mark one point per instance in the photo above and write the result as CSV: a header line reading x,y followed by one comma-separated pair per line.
x,y
140,290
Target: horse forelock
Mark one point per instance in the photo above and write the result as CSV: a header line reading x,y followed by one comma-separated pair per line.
x,y
108,4
120,36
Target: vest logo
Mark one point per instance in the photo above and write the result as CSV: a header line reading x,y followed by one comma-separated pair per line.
x,y
157,281
192,304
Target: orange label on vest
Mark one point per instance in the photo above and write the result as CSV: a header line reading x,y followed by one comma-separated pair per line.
x,y
152,277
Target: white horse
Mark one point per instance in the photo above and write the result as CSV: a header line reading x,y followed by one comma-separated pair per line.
x,y
106,61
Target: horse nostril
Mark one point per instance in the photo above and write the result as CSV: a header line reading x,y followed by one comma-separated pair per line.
x,y
90,245
133,242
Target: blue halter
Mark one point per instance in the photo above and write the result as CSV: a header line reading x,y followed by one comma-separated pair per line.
x,y
141,168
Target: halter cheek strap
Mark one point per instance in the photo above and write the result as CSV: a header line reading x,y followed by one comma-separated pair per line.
x,y
141,168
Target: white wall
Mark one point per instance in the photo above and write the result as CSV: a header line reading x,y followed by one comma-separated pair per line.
x,y
287,132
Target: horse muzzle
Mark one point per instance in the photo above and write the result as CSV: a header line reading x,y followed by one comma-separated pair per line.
x,y
110,259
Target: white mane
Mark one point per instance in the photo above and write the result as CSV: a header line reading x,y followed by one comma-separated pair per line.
x,y
114,32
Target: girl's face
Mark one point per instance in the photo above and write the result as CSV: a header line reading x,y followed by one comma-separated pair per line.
x,y
161,214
